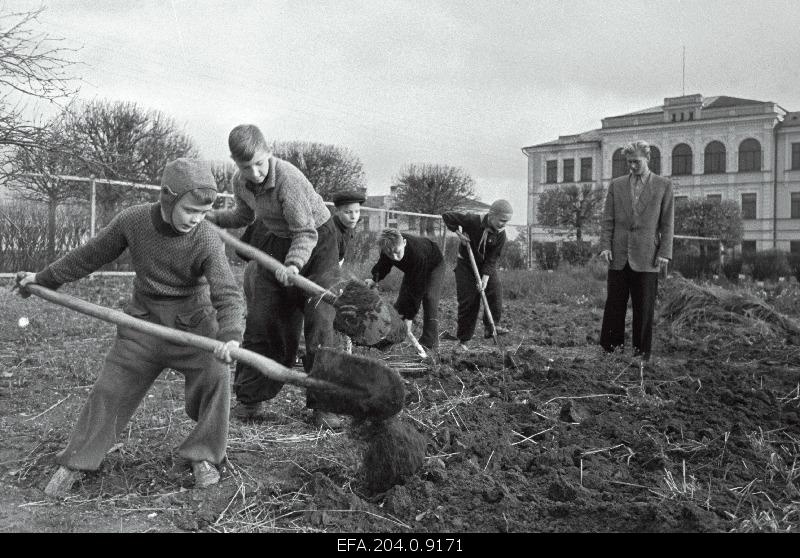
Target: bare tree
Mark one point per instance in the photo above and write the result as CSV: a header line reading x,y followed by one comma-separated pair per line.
x,y
329,168
433,189
574,207
39,179
33,65
122,141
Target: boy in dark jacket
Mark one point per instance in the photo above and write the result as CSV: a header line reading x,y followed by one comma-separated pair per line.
x,y
486,237
422,263
183,281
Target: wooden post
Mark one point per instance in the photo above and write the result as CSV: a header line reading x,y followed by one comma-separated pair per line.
x,y
93,200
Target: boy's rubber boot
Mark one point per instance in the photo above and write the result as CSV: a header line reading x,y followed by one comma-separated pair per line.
x,y
248,411
61,482
328,420
205,474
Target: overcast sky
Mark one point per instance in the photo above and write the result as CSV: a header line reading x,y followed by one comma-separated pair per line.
x,y
464,83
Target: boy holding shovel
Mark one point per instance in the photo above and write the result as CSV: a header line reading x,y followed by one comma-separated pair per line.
x,y
183,281
485,236
300,232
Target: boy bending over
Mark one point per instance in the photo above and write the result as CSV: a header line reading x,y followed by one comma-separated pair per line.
x,y
422,263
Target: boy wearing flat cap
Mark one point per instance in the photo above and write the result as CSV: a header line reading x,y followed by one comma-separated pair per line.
x,y
486,237
346,213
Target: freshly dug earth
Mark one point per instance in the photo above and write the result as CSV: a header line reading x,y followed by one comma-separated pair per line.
x,y
705,439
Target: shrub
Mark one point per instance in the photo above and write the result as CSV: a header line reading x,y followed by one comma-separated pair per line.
x,y
547,255
732,268
768,265
576,253
794,265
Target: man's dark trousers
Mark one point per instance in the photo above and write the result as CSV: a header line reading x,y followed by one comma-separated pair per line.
x,y
641,287
276,314
469,300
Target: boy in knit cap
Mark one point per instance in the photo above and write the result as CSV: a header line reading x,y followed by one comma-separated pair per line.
x,y
300,232
182,281
486,237
347,212
422,263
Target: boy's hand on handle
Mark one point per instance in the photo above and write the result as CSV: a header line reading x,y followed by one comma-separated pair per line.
x,y
223,351
462,236
22,280
283,273
606,255
370,283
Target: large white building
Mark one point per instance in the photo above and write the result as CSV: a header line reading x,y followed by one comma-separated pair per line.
x,y
725,147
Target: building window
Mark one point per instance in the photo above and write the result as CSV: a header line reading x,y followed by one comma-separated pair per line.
x,y
673,117
717,198
794,247
569,170
619,165
680,199
655,159
748,246
586,169
796,156
552,172
748,206
749,156
691,116
681,160
714,158
795,205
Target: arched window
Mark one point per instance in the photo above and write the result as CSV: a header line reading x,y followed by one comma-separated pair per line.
x,y
619,164
749,155
714,158
681,160
655,159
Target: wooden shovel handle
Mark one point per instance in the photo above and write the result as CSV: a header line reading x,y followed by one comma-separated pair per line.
x,y
267,366
273,265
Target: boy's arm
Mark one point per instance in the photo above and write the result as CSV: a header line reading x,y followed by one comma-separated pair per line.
x,y
409,300
453,220
382,268
238,216
225,295
300,219
104,248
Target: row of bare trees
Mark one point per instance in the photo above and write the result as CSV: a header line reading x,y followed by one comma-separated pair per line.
x,y
123,141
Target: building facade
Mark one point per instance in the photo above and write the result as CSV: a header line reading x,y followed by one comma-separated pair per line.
x,y
726,148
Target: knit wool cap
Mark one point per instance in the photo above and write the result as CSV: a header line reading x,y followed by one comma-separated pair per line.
x,y
350,196
182,175
502,208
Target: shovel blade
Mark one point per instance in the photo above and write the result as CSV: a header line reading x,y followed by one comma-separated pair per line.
x,y
373,390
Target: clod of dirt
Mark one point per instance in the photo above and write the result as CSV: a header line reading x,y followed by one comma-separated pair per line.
x,y
395,452
561,491
382,388
399,501
435,470
366,318
574,412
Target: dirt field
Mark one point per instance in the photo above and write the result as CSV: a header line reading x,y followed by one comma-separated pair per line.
x,y
705,439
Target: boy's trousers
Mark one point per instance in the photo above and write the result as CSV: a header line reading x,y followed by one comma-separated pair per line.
x,y
469,300
430,303
133,364
276,314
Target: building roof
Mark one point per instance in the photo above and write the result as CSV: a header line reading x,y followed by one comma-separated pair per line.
x,y
719,101
791,119
591,135
377,201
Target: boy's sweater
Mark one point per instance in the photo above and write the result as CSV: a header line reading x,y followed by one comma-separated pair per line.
x,y
167,264
487,245
287,204
422,255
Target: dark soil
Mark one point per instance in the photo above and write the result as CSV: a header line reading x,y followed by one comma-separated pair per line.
x,y
569,440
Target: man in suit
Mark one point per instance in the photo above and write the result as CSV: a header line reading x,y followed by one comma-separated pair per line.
x,y
636,241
